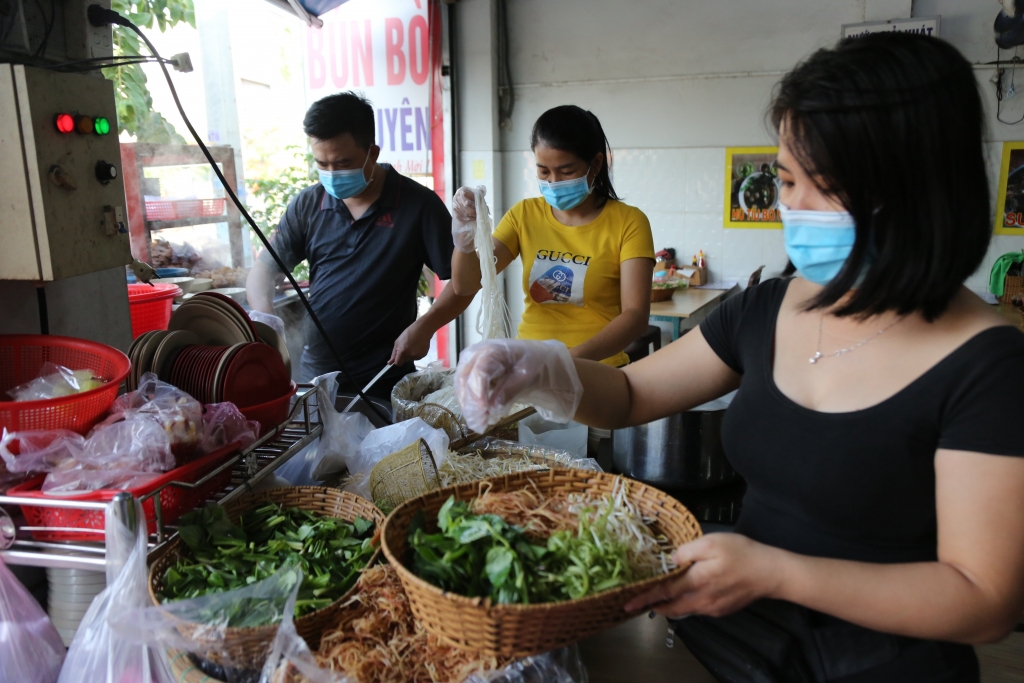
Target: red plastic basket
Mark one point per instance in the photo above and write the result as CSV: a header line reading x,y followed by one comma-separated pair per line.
x,y
183,208
272,413
150,306
22,357
174,500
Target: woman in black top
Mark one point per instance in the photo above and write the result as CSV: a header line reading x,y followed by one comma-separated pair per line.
x,y
879,404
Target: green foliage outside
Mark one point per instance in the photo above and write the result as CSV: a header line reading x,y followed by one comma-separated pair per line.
x,y
135,114
269,197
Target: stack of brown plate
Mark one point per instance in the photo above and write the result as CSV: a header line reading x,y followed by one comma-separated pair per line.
x,y
246,374
212,351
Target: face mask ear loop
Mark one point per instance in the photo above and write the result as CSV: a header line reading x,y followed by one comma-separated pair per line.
x,y
364,168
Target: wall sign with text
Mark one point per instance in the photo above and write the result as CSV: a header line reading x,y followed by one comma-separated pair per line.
x,y
380,48
1010,192
752,188
925,26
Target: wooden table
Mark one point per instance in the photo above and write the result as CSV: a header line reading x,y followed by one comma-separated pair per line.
x,y
689,303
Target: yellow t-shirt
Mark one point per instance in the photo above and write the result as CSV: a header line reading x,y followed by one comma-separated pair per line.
x,y
571,274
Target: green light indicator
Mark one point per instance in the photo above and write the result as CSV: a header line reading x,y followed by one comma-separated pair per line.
x,y
101,125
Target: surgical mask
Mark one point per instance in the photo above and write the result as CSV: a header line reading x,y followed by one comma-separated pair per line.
x,y
818,242
345,184
566,194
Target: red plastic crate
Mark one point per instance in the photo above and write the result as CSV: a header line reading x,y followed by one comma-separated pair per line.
x,y
22,357
174,500
183,208
150,306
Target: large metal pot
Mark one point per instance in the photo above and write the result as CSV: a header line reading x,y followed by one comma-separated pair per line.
x,y
682,451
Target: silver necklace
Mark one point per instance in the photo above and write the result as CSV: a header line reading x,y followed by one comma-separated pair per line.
x,y
818,355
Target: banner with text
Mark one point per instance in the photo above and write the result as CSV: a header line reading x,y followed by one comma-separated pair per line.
x,y
380,48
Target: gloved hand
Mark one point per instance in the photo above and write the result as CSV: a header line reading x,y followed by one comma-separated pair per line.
x,y
464,218
496,374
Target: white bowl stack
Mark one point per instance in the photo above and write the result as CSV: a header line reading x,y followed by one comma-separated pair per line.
x,y
71,593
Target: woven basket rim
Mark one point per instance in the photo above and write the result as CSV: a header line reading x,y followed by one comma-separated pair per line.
x,y
406,574
174,549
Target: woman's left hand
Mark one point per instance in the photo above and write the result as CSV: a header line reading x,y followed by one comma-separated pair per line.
x,y
727,572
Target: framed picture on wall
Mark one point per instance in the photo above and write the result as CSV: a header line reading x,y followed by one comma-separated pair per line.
x,y
752,188
1010,193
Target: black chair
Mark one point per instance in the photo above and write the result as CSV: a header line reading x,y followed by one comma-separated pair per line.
x,y
641,348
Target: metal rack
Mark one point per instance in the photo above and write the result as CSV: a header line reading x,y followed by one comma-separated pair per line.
x,y
248,468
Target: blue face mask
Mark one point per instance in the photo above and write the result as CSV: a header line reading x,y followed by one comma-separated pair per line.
x,y
818,242
566,194
345,184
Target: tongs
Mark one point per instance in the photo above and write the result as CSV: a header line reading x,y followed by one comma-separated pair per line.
x,y
367,387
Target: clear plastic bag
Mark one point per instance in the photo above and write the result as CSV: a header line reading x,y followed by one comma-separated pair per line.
x,y
41,451
343,432
271,321
177,413
558,666
201,627
570,436
31,650
223,423
380,443
298,471
55,381
410,391
97,654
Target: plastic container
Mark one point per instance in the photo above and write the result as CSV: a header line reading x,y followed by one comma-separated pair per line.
x,y
272,413
150,306
22,357
183,208
174,500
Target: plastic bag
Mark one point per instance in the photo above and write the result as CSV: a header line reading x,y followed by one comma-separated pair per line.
x,y
298,471
41,451
177,413
558,666
31,650
97,654
55,381
411,389
200,626
381,443
496,374
343,432
571,436
223,424
271,321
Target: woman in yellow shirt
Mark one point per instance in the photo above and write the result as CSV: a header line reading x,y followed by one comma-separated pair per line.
x,y
587,257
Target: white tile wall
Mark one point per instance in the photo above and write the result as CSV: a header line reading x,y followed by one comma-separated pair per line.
x,y
682,191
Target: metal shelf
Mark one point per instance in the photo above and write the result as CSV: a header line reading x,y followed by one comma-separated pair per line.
x,y
248,468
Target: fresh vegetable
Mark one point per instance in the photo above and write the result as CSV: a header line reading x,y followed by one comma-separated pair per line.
x,y
538,550
330,552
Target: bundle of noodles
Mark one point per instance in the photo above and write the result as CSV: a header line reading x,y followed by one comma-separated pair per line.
x,y
378,641
459,468
493,320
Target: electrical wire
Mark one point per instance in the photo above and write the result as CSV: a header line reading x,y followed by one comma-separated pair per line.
x,y
41,51
103,63
101,16
1000,72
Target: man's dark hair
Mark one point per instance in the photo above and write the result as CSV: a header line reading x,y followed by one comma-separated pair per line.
x,y
345,112
890,125
576,130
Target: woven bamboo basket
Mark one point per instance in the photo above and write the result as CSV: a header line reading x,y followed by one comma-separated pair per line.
x,y
247,647
1013,288
185,670
476,624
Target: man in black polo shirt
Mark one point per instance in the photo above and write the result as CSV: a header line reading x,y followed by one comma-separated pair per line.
x,y
367,232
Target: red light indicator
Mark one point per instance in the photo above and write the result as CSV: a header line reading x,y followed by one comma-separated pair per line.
x,y
65,123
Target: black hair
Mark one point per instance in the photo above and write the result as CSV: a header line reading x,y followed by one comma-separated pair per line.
x,y
576,130
344,112
891,126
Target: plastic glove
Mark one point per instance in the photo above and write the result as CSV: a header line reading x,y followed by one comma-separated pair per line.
x,y
464,218
494,375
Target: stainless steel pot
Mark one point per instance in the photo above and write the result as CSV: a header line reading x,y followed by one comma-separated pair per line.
x,y
682,451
